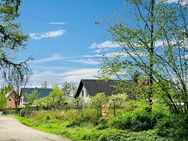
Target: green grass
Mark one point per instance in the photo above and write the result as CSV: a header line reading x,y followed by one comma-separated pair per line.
x,y
85,131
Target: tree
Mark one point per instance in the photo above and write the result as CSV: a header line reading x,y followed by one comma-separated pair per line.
x,y
44,84
136,76
11,41
3,99
17,81
32,97
56,97
98,101
156,46
69,88
116,101
78,103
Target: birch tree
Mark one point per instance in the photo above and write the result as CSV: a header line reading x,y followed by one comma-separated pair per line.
x,y
156,46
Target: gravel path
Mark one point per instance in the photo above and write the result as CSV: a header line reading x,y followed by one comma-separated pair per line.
x,y
12,130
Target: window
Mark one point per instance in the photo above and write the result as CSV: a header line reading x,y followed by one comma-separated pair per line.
x,y
9,99
82,93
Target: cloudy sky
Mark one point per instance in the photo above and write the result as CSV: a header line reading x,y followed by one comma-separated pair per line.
x,y
64,40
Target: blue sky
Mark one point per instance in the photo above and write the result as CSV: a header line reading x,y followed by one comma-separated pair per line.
x,y
64,40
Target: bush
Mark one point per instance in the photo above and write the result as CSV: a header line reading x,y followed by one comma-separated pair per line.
x,y
9,111
139,120
174,126
102,123
83,117
117,135
114,137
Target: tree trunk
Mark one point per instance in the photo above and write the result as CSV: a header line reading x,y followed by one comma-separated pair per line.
x,y
151,57
114,110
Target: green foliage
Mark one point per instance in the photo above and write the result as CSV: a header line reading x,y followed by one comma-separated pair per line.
x,y
48,123
85,125
97,101
56,97
156,47
69,88
86,116
114,136
3,99
32,97
12,41
76,103
102,123
174,126
138,120
116,101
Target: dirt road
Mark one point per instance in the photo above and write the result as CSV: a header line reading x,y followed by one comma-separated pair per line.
x,y
12,130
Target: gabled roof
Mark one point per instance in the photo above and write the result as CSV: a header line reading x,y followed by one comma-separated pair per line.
x,y
42,92
94,86
10,94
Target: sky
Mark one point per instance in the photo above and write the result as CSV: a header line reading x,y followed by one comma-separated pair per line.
x,y
64,41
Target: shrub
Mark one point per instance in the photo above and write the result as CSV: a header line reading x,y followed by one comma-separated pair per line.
x,y
114,137
102,123
116,101
117,135
48,117
97,101
139,120
84,116
174,126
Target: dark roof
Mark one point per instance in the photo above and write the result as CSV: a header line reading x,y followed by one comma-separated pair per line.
x,y
42,92
94,86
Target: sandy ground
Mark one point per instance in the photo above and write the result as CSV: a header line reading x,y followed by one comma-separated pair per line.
x,y
12,130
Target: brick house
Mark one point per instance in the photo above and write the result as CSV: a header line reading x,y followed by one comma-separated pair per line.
x,y
11,100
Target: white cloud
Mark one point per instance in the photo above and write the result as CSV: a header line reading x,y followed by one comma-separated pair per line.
x,y
49,34
121,54
55,57
39,77
52,76
103,46
182,2
77,75
164,43
57,23
186,56
85,61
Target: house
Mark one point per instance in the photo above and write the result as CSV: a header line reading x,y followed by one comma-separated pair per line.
x,y
11,100
42,92
90,87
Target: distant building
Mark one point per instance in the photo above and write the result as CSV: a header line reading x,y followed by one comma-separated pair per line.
x,y
42,92
90,87
11,100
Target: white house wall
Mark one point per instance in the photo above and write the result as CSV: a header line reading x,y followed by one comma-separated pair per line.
x,y
84,94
